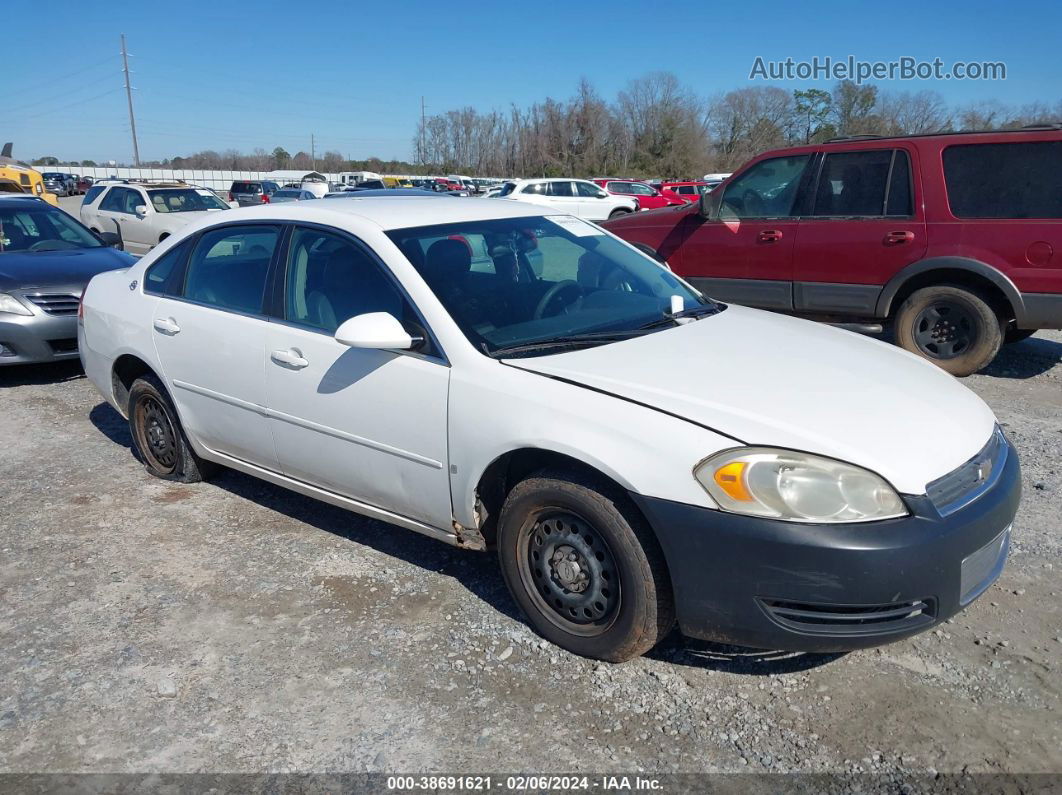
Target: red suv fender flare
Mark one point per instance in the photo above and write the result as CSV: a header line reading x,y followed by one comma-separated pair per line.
x,y
999,279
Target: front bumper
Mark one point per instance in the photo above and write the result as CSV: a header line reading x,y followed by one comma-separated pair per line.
x,y
36,338
823,588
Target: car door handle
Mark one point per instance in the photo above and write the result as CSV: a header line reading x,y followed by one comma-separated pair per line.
x,y
898,238
166,325
290,358
770,236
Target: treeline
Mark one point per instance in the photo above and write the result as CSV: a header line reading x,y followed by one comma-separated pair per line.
x,y
655,127
658,127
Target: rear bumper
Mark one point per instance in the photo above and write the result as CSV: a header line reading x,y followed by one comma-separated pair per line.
x,y
32,339
821,588
1042,310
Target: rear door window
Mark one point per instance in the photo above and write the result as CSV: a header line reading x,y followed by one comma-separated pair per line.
x,y
118,199
91,194
1004,180
163,277
852,184
563,189
229,265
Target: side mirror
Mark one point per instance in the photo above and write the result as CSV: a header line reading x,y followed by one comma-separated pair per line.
x,y
111,239
141,209
708,205
379,330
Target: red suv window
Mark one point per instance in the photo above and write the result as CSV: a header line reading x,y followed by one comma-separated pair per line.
x,y
873,183
1005,180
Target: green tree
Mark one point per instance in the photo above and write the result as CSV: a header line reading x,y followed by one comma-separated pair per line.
x,y
281,157
812,108
89,163
46,161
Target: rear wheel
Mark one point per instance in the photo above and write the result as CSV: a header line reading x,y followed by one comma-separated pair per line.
x,y
584,566
953,327
159,437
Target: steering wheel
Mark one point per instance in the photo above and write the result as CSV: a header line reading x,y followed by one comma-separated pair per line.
x,y
552,293
52,245
753,203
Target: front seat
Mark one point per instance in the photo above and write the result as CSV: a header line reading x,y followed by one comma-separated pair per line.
x,y
337,278
445,266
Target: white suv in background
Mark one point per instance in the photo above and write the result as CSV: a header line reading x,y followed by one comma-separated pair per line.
x,y
146,213
578,197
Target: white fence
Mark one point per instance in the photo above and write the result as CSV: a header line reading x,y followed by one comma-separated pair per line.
x,y
218,180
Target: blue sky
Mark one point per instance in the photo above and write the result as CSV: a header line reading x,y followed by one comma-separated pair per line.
x,y
242,74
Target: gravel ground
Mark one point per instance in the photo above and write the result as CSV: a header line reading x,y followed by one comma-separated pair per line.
x,y
234,626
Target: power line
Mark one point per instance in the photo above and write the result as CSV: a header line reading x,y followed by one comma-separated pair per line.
x,y
34,87
55,97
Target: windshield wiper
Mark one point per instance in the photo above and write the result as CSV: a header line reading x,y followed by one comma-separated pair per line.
x,y
589,338
692,312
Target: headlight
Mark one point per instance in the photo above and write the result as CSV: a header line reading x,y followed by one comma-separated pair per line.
x,y
8,303
796,487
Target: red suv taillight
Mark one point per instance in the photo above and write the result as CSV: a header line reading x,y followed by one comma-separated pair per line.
x,y
265,198
230,196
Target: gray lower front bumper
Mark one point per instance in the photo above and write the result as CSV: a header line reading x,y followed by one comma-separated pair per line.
x,y
29,339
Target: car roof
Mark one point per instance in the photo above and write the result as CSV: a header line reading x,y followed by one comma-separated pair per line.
x,y
551,179
393,213
27,200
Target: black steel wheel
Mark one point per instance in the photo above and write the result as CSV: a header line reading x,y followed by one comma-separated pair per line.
x,y
568,568
954,327
584,566
158,435
155,435
945,329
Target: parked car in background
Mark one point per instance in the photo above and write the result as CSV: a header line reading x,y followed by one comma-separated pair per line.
x,y
386,193
953,240
59,184
84,183
635,452
579,197
646,196
146,213
686,192
252,192
46,259
368,184
292,195
720,176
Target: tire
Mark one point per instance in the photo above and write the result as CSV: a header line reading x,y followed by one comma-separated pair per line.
x,y
158,436
953,327
1012,335
584,566
618,213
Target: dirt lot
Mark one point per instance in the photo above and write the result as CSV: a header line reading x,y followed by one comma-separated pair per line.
x,y
233,626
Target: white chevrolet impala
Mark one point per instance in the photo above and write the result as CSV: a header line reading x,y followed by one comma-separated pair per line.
x,y
499,375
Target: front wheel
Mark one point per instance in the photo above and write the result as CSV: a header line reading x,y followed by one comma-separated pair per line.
x,y
618,213
159,437
584,567
953,327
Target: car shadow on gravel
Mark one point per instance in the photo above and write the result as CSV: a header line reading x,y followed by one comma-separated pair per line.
x,y
476,572
1026,359
36,374
726,658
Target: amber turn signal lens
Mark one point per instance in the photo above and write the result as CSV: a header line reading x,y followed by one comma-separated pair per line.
x,y
730,478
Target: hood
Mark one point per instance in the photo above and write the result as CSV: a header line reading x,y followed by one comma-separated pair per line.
x,y
20,270
767,379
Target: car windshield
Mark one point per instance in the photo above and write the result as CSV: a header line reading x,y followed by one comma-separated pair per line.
x,y
42,229
185,200
520,282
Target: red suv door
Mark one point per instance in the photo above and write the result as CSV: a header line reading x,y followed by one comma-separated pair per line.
x,y
864,224
746,254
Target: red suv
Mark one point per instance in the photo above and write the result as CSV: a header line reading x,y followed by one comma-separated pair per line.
x,y
955,240
648,197
687,192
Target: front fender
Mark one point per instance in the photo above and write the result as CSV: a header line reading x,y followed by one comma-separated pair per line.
x,y
496,409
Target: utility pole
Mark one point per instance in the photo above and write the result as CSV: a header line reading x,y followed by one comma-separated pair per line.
x,y
129,98
422,131
313,153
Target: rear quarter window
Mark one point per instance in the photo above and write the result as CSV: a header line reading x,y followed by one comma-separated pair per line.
x,y
91,194
1004,180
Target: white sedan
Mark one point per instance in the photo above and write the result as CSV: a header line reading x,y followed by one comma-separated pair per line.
x,y
496,375
578,197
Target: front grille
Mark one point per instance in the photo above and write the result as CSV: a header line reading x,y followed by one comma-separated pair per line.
x,y
55,303
68,345
850,619
964,485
